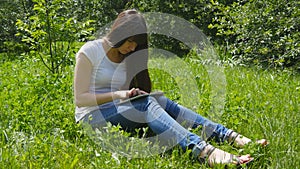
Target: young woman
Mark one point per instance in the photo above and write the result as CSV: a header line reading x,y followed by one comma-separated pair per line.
x,y
114,68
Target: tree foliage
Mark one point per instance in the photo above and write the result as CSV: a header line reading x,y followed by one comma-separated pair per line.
x,y
9,11
259,31
256,31
198,12
53,27
51,32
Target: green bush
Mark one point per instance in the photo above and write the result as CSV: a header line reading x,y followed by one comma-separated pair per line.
x,y
51,32
260,32
263,32
197,12
256,31
9,11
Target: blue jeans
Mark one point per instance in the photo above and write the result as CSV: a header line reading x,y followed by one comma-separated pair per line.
x,y
165,118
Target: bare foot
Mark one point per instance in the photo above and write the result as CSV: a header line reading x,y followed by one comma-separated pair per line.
x,y
217,156
262,142
240,141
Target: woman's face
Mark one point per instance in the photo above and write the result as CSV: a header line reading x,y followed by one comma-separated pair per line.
x,y
128,46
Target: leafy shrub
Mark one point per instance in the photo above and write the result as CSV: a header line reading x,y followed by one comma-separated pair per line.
x,y
257,31
198,12
264,32
260,32
9,11
51,32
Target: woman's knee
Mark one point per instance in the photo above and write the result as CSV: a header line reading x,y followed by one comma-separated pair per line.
x,y
161,100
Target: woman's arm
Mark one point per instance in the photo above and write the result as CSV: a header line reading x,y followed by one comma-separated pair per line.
x,y
82,78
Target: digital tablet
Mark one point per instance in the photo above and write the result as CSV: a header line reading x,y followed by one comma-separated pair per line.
x,y
158,93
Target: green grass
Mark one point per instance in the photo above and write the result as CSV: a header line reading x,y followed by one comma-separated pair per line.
x,y
37,128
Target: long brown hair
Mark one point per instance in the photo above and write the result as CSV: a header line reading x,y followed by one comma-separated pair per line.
x,y
131,24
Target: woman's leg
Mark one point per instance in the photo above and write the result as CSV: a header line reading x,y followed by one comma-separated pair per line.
x,y
211,130
170,132
147,111
191,119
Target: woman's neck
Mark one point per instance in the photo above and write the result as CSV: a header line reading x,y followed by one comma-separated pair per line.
x,y
112,53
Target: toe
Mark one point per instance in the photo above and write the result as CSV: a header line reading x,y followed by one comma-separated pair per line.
x,y
245,159
262,142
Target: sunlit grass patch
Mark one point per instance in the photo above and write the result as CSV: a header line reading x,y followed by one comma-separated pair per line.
x,y
38,129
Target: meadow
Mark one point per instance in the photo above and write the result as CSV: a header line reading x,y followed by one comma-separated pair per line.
x,y
38,129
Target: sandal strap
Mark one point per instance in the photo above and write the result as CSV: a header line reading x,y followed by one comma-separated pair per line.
x,y
235,158
202,159
232,137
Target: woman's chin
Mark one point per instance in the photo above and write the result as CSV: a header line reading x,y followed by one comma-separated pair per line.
x,y
124,52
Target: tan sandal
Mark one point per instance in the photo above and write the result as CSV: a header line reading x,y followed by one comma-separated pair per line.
x,y
214,156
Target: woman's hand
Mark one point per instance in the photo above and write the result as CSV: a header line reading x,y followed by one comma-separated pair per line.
x,y
124,94
136,91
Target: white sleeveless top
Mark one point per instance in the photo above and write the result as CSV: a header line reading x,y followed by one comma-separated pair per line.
x,y
107,76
